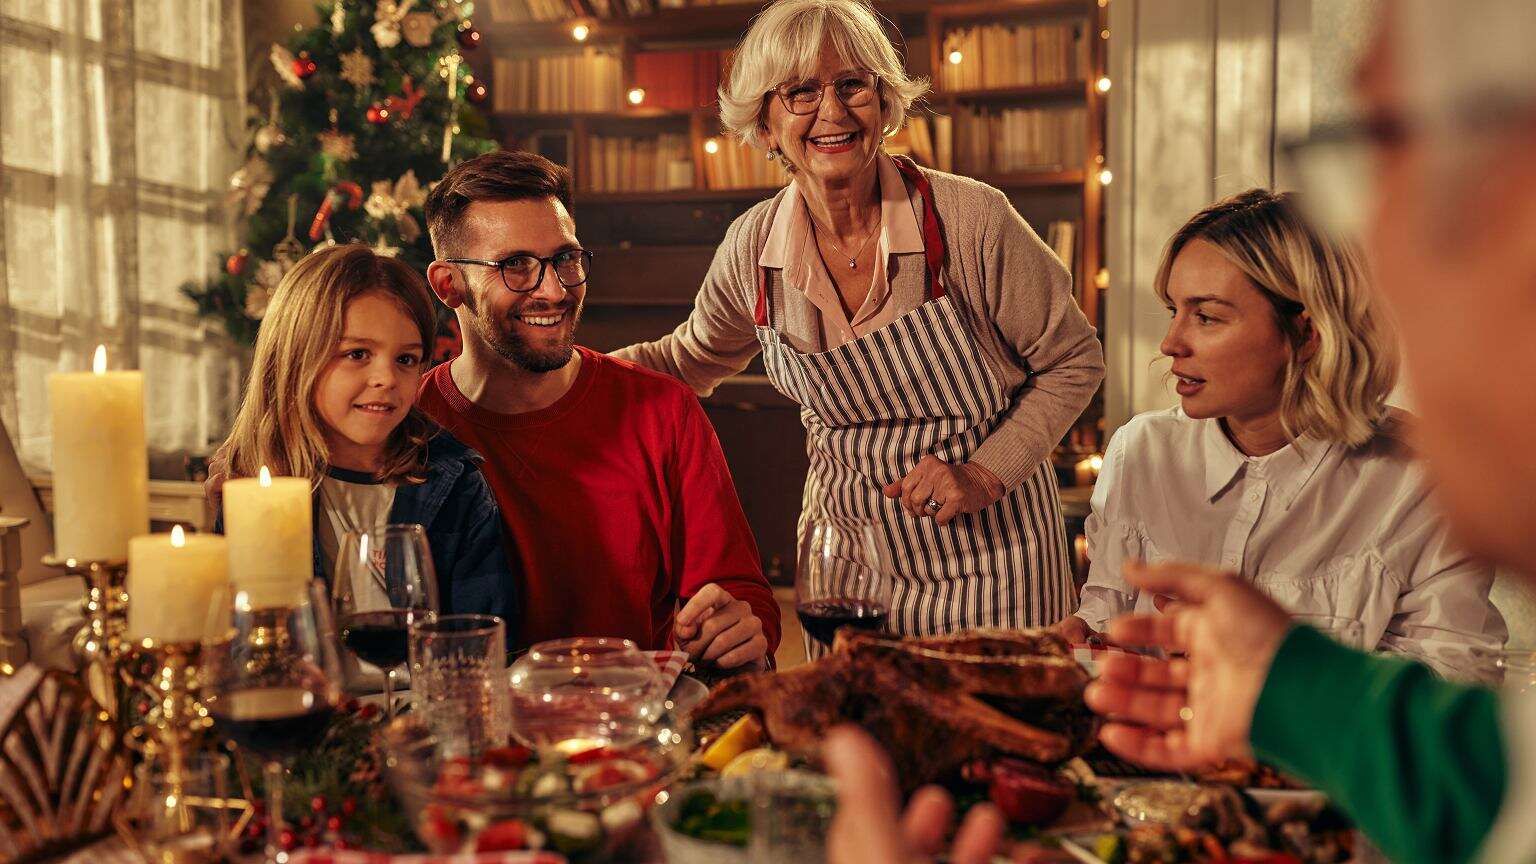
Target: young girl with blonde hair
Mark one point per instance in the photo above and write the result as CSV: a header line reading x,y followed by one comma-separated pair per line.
x,y
331,398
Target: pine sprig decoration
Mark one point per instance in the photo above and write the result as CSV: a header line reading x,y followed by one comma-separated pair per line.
x,y
327,101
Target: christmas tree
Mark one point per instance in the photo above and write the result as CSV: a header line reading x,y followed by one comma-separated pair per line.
x,y
368,109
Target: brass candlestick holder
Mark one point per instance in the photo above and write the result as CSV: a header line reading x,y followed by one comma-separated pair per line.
x,y
99,642
177,719
13,648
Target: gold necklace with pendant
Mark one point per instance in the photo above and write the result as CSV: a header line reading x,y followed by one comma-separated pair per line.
x,y
853,260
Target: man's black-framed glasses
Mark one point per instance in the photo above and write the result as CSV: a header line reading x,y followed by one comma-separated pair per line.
x,y
854,89
523,272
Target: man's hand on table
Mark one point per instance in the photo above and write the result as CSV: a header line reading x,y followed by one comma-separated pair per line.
x,y
716,628
870,828
1190,711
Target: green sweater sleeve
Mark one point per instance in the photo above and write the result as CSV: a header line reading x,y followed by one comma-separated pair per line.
x,y
1417,762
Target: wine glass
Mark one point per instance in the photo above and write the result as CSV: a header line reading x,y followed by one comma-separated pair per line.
x,y
840,581
384,580
270,680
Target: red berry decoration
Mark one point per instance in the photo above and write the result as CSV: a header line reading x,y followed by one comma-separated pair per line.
x,y
317,803
333,824
469,38
303,65
348,806
378,115
287,840
476,93
236,263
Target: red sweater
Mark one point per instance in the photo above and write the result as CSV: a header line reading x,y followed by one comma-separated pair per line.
x,y
617,502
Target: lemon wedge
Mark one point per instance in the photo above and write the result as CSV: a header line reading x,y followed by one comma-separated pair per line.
x,y
754,760
743,735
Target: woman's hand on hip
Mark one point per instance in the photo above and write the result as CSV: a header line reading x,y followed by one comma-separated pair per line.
x,y
943,491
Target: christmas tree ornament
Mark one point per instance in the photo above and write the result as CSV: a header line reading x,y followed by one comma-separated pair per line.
x,y
249,185
418,27
404,104
378,115
258,295
476,93
392,202
357,69
289,250
387,16
338,18
235,265
469,37
337,146
283,61
304,66
268,138
346,193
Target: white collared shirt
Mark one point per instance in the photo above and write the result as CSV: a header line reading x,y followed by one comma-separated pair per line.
x,y
1321,528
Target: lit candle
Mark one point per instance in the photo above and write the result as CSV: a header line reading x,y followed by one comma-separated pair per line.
x,y
171,581
1086,471
267,520
100,462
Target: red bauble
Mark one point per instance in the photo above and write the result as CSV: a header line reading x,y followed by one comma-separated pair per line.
x,y
469,39
378,115
476,93
236,263
303,66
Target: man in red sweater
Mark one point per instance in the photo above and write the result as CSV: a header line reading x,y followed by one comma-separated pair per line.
x,y
612,485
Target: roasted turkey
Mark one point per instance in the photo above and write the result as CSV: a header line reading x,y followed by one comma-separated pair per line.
x,y
935,703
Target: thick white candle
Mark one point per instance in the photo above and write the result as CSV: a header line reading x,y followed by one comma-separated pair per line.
x,y
100,462
268,522
171,580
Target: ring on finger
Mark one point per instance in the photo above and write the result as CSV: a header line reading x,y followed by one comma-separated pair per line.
x,y
933,506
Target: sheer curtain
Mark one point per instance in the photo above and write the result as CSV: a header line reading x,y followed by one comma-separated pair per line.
x,y
120,123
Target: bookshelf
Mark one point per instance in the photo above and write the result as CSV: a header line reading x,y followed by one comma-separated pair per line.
x,y
655,243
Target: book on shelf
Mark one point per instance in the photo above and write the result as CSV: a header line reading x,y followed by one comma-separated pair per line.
x,y
679,80
925,139
1015,140
1061,236
737,166
1014,55
588,80
646,163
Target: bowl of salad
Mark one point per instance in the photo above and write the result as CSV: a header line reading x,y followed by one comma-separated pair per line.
x,y
785,814
585,799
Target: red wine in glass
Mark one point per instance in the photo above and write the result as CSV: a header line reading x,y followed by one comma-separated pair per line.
x,y
377,637
273,722
821,618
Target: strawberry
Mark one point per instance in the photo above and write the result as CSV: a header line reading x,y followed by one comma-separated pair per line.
x,y
503,837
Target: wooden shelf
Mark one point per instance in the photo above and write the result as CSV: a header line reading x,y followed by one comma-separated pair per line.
x,y
676,195
1023,93
630,114
725,23
1034,179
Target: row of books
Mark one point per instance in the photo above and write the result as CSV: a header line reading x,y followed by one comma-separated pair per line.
x,y
515,11
1021,139
680,80
1015,55
639,164
930,141
590,80
737,166
1061,236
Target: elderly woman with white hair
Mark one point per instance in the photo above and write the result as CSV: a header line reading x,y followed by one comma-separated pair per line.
x,y
930,337
1283,462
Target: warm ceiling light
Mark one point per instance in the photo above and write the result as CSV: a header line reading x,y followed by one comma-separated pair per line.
x,y
955,57
711,146
636,96
580,32
1103,84
1106,177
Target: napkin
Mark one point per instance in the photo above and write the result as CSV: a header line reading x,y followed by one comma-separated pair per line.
x,y
670,664
355,856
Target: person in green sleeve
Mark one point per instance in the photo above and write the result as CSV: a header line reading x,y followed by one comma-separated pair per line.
x,y
1431,771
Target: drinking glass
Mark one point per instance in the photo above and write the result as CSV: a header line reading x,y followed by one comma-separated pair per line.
x,y
570,694
384,581
271,681
181,815
841,581
458,681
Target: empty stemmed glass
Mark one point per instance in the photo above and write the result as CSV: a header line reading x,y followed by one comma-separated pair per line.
x,y
384,581
271,678
840,581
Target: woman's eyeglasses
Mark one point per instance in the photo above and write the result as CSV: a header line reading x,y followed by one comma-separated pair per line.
x,y
854,90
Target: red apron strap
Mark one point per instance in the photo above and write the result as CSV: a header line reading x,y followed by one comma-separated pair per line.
x,y
760,314
933,232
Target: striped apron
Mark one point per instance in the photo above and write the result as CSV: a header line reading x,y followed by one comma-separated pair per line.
x,y
872,408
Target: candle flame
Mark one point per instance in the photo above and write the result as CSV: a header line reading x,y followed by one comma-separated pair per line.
x,y
265,476
178,537
99,363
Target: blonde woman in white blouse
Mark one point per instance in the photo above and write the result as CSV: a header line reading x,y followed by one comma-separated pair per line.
x,y
1283,462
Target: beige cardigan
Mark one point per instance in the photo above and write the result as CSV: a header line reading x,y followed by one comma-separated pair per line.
x,y
1005,282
